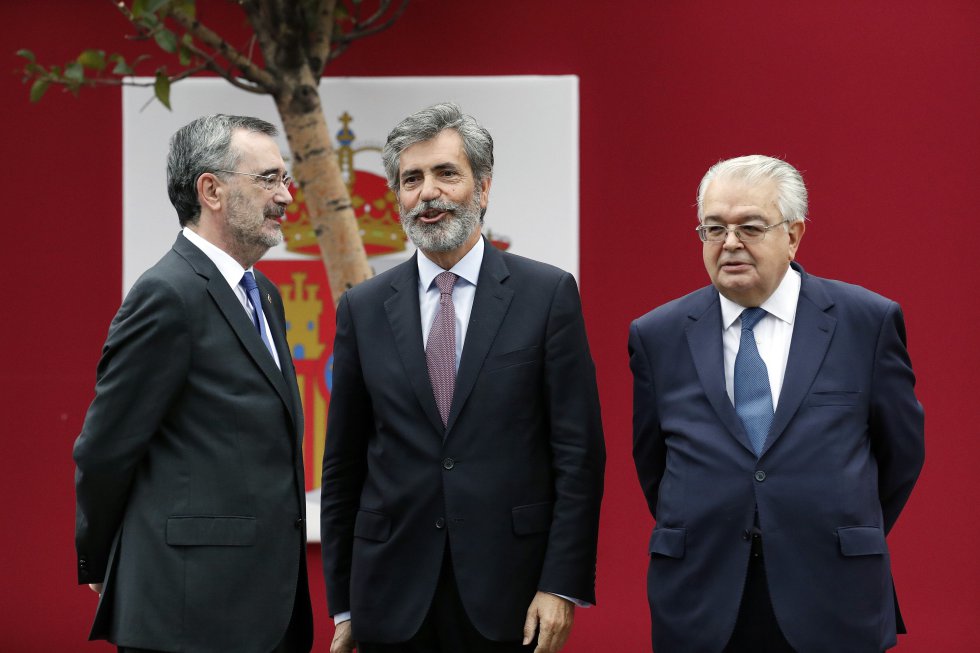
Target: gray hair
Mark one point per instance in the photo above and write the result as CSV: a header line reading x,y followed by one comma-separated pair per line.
x,y
426,125
791,196
204,145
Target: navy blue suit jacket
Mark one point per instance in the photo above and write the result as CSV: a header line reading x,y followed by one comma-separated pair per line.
x,y
512,486
842,456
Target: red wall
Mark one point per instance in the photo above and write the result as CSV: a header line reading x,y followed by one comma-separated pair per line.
x,y
875,102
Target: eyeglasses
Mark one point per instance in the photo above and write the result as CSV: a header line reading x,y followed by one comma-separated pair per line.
x,y
270,181
747,233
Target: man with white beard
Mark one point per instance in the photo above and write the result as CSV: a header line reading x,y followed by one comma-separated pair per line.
x,y
463,468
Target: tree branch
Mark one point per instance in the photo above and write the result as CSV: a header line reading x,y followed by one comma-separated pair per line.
x,y
320,44
225,73
249,70
368,30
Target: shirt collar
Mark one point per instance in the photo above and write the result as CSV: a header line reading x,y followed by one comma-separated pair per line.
x,y
780,304
229,268
467,268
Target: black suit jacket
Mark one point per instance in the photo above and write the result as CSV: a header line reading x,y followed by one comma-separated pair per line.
x,y
843,453
512,486
189,481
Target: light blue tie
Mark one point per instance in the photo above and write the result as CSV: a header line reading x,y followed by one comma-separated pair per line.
x,y
753,396
252,291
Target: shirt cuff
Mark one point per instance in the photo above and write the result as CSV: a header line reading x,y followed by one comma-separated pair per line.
x,y
577,602
341,617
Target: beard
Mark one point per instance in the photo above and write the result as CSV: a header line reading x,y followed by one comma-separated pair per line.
x,y
247,228
448,234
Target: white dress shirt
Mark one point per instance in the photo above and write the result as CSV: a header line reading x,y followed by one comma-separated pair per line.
x,y
468,271
233,272
773,333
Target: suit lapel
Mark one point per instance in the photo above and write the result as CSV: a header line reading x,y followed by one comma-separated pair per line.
x,y
704,338
489,308
813,330
234,313
405,319
281,344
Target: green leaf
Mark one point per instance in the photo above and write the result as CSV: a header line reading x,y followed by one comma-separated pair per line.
x,y
92,59
138,8
27,54
166,39
185,52
74,72
122,68
161,87
37,89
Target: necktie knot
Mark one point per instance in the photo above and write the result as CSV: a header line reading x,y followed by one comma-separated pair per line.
x,y
751,317
249,282
445,281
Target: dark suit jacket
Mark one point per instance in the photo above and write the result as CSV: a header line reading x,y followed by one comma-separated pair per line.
x,y
189,481
844,450
512,486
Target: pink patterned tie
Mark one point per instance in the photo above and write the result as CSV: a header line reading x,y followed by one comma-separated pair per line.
x,y
440,348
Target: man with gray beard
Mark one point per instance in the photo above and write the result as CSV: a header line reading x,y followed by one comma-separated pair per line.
x,y
463,468
189,481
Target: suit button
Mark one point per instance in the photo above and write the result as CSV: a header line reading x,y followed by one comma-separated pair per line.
x,y
299,523
448,463
82,564
760,476
440,523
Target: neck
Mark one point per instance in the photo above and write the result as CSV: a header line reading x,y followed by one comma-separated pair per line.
x,y
245,254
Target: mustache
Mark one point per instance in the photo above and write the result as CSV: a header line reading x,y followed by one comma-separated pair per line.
x,y
439,205
275,211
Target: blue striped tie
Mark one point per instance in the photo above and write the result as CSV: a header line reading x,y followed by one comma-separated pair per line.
x,y
753,396
258,319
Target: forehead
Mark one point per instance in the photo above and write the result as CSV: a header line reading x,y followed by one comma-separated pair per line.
x,y
728,198
445,148
257,150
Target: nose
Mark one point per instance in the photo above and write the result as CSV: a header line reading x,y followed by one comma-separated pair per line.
x,y
283,196
732,241
430,189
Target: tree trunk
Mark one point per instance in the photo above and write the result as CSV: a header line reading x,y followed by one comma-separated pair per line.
x,y
315,167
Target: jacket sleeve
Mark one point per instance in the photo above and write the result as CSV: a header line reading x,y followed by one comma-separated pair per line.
x,y
649,450
577,446
349,425
897,424
141,372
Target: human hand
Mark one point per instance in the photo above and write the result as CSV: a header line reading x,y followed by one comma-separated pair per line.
x,y
551,616
96,587
343,638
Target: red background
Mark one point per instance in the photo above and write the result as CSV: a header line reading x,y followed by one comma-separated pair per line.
x,y
876,102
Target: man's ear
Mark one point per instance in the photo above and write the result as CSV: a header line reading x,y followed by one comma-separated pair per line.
x,y
796,230
485,192
210,192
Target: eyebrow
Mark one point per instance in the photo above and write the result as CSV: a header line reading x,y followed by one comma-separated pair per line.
x,y
742,220
436,168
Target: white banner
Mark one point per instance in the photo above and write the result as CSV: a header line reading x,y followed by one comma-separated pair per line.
x,y
533,207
